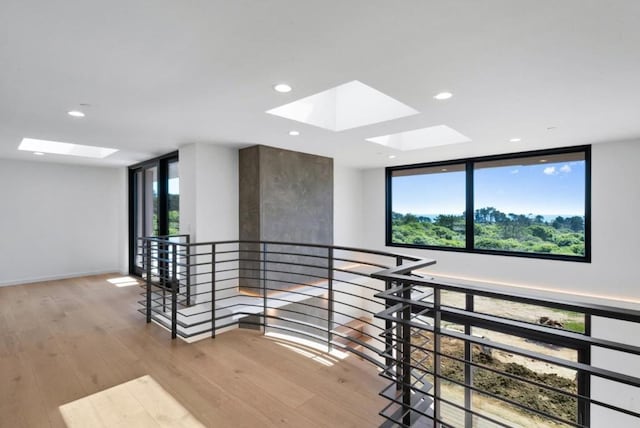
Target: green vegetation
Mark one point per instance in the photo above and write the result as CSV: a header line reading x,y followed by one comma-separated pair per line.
x,y
445,231
174,222
174,214
493,230
573,325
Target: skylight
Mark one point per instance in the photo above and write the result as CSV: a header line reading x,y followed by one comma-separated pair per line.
x,y
432,136
69,149
347,106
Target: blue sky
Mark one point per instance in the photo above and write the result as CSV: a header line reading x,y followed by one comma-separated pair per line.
x,y
174,186
545,189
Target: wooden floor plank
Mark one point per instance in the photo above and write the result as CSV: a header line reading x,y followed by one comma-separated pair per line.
x,y
62,341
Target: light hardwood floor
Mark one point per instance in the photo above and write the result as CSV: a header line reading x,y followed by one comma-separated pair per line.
x,y
64,340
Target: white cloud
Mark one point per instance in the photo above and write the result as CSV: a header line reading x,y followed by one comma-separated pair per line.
x,y
550,170
565,168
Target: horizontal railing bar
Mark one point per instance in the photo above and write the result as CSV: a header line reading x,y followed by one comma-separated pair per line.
x,y
492,395
585,368
294,244
544,331
538,384
516,296
362,262
175,260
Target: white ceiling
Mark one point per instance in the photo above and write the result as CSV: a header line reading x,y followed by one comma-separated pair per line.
x,y
163,73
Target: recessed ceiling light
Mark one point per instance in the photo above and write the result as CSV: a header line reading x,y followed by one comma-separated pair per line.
x,y
294,133
392,156
515,140
443,169
59,148
282,87
443,96
38,153
343,107
422,138
543,160
76,113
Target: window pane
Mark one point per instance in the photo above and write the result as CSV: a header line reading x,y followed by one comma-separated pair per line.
x,y
174,199
151,202
531,204
138,214
428,206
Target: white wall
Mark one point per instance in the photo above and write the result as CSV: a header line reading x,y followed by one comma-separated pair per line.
x,y
608,391
209,204
209,192
60,221
209,196
611,274
615,235
348,227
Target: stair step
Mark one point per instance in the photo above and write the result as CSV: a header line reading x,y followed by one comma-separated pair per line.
x,y
419,415
354,329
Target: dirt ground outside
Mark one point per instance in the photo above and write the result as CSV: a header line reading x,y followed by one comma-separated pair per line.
x,y
529,395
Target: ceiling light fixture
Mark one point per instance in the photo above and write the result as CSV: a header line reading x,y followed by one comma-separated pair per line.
x,y
392,156
515,140
443,96
294,133
76,113
543,160
282,87
38,153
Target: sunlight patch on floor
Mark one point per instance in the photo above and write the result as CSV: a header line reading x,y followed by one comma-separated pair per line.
x,y
123,281
141,402
307,348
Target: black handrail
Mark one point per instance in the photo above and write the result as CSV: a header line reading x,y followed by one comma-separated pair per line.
x,y
410,314
214,286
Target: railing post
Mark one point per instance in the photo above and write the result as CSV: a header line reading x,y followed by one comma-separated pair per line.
x,y
174,292
188,269
406,356
398,349
213,291
584,379
468,368
161,251
330,299
149,287
437,318
388,337
264,287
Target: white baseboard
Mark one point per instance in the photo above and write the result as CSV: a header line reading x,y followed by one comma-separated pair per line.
x,y
26,281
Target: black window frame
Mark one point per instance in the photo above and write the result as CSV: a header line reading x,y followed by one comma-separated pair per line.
x,y
162,163
470,209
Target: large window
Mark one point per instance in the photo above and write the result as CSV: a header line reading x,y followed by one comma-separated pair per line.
x,y
154,203
533,204
428,206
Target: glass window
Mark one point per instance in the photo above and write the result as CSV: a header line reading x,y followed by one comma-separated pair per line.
x,y
532,204
428,205
151,202
173,200
154,203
